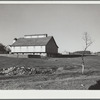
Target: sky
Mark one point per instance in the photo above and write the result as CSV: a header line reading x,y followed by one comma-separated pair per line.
x,y
65,22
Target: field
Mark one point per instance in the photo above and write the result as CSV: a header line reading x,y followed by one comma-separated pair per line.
x,y
66,77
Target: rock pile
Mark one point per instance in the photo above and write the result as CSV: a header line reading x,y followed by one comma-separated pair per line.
x,y
17,71
14,71
43,71
21,70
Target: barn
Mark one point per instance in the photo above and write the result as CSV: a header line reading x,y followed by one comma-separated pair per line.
x,y
36,44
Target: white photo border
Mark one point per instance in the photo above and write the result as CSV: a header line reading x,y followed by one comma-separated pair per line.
x,y
49,94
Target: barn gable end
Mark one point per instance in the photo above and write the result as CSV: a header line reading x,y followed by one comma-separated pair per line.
x,y
51,47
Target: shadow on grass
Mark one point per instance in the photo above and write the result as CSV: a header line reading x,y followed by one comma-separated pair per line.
x,y
95,86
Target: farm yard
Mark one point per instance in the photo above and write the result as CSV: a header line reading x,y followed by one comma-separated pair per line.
x,y
48,73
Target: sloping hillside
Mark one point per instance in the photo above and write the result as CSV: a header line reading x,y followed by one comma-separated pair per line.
x,y
65,73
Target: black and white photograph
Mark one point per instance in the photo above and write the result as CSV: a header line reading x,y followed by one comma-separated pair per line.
x,y
49,46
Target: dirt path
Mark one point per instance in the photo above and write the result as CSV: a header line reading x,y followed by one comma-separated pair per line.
x,y
68,79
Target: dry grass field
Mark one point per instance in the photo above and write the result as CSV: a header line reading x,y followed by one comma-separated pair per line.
x,y
66,77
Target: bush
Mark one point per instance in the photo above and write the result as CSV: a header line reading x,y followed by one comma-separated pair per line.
x,y
4,49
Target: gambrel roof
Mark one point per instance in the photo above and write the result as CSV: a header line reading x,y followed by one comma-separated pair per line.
x,y
33,41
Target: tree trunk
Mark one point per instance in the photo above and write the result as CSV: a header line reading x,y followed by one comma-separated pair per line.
x,y
83,68
83,64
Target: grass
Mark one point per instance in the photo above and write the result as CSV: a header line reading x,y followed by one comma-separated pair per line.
x,y
69,77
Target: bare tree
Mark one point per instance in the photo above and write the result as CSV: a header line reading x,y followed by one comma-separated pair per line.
x,y
88,41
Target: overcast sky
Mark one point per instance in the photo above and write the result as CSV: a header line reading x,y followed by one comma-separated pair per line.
x,y
66,23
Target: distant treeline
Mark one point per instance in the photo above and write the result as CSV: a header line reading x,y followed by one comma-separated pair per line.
x,y
81,52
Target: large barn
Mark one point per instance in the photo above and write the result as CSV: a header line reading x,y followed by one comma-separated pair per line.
x,y
36,44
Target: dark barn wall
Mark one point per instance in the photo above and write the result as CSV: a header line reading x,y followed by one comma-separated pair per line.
x,y
52,47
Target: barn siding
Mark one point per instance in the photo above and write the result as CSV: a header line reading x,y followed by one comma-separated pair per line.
x,y
52,47
28,49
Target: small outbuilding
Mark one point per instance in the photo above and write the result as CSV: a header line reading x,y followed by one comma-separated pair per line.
x,y
36,44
